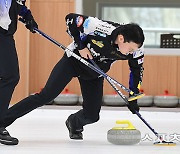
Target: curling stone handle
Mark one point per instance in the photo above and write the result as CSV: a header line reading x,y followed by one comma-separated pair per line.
x,y
126,122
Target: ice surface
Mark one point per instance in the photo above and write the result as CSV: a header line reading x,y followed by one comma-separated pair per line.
x,y
43,131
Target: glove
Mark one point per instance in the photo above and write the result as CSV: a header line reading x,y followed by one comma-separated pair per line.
x,y
28,19
70,48
133,106
30,22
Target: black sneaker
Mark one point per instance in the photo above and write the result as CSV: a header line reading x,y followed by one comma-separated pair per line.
x,y
74,134
6,139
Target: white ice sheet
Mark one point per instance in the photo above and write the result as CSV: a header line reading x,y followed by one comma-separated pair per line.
x,y
43,131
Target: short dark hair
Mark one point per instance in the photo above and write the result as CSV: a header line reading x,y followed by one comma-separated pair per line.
x,y
131,32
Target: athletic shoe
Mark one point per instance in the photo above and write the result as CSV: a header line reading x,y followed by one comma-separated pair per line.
x,y
6,139
73,133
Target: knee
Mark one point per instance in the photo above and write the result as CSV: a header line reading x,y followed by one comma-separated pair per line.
x,y
43,98
37,100
11,79
14,79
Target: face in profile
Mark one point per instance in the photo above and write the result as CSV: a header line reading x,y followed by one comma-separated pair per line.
x,y
126,47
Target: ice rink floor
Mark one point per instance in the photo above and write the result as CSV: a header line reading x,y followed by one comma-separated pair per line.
x,y
43,131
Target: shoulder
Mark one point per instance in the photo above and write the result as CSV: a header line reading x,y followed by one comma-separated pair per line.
x,y
98,25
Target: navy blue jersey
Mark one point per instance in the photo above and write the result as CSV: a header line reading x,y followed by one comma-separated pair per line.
x,y
98,36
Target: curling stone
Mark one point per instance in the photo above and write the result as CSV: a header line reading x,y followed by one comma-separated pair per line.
x,y
146,100
166,100
113,100
124,134
66,98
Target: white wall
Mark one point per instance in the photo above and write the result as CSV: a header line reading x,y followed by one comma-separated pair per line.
x,y
78,6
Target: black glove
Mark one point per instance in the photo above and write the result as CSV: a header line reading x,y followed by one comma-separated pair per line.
x,y
30,22
133,106
28,19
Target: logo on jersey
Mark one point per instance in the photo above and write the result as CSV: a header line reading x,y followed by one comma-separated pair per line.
x,y
98,43
140,61
79,21
86,23
138,53
100,33
21,2
94,53
69,21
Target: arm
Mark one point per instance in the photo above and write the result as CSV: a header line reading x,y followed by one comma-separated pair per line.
x,y
136,74
75,29
84,52
25,13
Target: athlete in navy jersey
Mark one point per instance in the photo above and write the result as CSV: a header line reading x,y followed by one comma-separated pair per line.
x,y
103,41
9,69
99,38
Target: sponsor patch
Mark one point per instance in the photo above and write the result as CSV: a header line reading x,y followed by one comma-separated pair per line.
x,y
21,2
98,43
94,53
86,23
137,53
69,21
140,61
99,33
79,21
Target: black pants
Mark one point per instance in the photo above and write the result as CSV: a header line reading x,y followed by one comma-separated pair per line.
x,y
9,73
61,75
